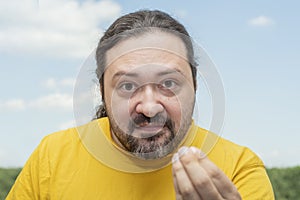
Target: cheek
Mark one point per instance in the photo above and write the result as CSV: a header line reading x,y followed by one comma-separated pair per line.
x,y
173,108
182,109
120,110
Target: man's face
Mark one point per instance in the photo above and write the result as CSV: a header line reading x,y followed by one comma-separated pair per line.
x,y
149,94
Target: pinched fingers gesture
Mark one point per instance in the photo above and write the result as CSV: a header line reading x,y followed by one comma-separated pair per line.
x,y
196,177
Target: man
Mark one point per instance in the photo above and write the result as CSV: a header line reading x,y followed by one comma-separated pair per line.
x,y
147,76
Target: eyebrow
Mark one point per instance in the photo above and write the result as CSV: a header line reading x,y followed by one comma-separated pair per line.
x,y
132,74
123,73
171,71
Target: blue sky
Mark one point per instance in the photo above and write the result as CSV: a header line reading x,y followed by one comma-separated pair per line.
x,y
255,45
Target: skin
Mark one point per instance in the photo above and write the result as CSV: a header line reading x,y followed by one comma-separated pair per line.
x,y
148,75
196,177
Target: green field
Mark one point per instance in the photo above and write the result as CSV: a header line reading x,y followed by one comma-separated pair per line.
x,y
285,181
7,179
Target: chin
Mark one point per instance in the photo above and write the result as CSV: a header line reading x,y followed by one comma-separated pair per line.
x,y
153,150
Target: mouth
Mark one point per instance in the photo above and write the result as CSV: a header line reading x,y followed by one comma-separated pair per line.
x,y
153,138
149,136
148,130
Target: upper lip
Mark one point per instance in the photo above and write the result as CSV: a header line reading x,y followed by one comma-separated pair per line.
x,y
149,125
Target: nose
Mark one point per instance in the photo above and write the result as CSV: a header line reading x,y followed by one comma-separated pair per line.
x,y
148,102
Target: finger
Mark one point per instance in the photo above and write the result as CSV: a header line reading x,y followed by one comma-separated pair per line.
x,y
184,185
222,183
177,193
199,177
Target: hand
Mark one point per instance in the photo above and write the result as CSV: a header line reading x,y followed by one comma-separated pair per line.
x,y
196,177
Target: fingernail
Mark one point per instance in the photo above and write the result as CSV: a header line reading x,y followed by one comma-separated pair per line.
x,y
175,158
197,151
182,151
194,150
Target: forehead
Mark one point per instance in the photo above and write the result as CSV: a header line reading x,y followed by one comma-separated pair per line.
x,y
158,48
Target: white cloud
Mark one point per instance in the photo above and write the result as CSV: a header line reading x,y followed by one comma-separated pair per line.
x,y
53,101
261,21
13,105
59,28
56,101
50,83
55,84
67,82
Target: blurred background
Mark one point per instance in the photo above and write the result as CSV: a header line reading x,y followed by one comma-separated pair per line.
x,y
254,44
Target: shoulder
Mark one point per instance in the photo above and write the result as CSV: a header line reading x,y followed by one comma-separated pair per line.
x,y
59,138
72,135
228,155
240,164
70,141
243,155
62,142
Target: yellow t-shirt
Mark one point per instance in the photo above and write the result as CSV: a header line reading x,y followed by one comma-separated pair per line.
x,y
84,163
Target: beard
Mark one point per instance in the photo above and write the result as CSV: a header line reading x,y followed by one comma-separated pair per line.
x,y
151,145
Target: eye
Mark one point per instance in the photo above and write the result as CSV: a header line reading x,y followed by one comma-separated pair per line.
x,y
127,87
168,84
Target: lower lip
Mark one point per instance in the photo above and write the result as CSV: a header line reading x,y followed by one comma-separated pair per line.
x,y
147,131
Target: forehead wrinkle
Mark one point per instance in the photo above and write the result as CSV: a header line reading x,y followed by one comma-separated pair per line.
x,y
147,56
155,41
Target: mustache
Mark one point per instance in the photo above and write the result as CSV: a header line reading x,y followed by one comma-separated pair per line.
x,y
141,120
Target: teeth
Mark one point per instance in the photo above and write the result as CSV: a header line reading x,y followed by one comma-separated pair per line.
x,y
143,124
